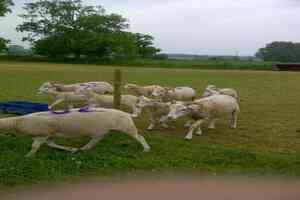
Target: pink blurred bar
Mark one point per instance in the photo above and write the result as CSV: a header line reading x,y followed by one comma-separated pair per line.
x,y
200,188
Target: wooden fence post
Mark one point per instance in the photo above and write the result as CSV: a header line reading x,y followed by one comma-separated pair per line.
x,y
117,88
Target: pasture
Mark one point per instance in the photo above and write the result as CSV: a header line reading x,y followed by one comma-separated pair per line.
x,y
266,142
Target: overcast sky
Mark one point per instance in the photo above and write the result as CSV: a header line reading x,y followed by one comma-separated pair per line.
x,y
219,27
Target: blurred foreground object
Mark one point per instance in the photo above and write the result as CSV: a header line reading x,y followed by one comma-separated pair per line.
x,y
170,188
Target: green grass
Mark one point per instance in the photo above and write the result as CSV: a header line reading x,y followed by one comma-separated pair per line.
x,y
156,63
200,64
267,141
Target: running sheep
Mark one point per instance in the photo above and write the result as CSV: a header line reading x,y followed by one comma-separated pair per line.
x,y
44,127
142,90
158,111
98,87
206,109
177,94
107,101
70,98
212,90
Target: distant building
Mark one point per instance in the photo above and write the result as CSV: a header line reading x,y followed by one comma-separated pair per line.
x,y
286,67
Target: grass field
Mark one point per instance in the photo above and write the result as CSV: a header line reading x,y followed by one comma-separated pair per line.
x,y
155,63
267,141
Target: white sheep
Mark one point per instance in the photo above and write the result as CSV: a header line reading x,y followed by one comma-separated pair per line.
x,y
158,111
177,93
70,98
107,101
45,126
98,87
206,109
212,90
142,90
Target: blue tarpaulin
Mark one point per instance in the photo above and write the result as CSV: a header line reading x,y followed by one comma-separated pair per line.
x,y
22,107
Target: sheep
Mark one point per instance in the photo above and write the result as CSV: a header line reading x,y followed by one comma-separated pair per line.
x,y
44,127
212,90
142,90
206,109
98,87
68,97
178,94
158,111
107,101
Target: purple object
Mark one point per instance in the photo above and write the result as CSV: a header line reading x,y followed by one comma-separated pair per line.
x,y
85,109
87,85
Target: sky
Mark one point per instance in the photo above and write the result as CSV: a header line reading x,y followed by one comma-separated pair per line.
x,y
210,27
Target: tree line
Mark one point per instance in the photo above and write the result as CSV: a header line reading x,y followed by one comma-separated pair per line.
x,y
280,51
68,28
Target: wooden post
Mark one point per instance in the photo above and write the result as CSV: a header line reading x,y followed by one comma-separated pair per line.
x,y
117,88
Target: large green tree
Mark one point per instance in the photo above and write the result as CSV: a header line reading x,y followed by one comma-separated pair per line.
x,y
280,51
4,9
67,27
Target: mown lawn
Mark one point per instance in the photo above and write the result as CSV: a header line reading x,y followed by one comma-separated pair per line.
x,y
267,141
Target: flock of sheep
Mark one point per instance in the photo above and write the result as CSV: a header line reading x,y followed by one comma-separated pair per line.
x,y
99,118
164,104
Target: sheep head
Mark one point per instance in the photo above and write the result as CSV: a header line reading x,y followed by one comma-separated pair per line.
x,y
177,110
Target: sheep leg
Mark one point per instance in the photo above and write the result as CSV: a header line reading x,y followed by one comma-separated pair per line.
x,y
163,120
55,103
151,126
135,111
143,142
188,123
61,147
91,143
212,123
37,143
152,122
233,121
70,106
196,125
199,130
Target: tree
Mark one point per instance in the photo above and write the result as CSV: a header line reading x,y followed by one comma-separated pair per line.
x,y
69,28
4,7
145,46
51,46
280,51
3,44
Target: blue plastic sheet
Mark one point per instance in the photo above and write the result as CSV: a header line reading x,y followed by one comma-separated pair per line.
x,y
22,107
